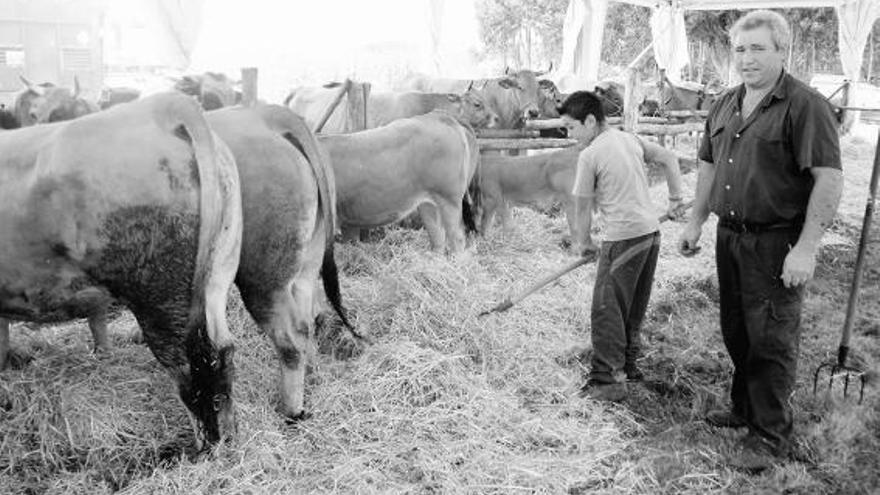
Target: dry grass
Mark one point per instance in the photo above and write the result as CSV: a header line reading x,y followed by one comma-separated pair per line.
x,y
445,402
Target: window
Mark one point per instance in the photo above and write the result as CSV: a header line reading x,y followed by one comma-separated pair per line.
x,y
11,56
76,59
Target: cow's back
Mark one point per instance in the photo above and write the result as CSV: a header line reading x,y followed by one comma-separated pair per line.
x,y
119,201
383,173
279,197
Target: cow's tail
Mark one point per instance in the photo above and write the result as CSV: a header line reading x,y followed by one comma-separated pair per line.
x,y
472,201
220,216
294,129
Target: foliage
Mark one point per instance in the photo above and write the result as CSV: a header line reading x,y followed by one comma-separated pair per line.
x,y
524,33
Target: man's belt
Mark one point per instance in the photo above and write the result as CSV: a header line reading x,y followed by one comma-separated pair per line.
x,y
757,228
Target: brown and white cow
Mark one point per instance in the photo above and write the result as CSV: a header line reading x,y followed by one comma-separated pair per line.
x,y
140,203
507,181
39,104
424,162
43,103
515,96
383,108
288,202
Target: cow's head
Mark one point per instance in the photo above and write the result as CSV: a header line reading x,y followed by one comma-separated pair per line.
x,y
515,97
474,109
549,99
43,103
612,99
213,90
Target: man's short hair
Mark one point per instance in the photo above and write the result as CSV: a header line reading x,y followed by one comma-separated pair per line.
x,y
580,104
779,30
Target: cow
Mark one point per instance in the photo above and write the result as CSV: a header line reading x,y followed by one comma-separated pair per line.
x,y
686,96
212,89
611,95
532,180
141,204
515,96
383,108
42,103
288,204
45,102
535,180
425,162
117,95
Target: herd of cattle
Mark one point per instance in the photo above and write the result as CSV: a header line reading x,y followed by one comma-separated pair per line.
x,y
160,205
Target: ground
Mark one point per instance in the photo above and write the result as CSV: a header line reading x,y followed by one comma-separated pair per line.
x,y
443,401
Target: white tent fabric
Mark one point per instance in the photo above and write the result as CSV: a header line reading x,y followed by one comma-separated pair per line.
x,y
582,34
670,40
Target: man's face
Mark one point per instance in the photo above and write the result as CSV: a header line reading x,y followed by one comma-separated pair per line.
x,y
585,131
756,58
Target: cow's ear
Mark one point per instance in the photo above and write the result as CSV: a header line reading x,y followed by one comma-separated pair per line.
x,y
452,97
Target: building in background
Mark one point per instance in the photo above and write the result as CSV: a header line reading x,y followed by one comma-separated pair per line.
x,y
50,41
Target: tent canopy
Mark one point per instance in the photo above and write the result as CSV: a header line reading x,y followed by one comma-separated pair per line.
x,y
585,19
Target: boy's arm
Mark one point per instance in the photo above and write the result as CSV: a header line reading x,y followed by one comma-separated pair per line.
x,y
654,153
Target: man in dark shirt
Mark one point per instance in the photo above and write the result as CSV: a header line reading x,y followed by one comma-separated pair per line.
x,y
771,173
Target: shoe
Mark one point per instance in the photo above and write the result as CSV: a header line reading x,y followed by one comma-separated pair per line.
x,y
608,392
633,373
754,455
721,418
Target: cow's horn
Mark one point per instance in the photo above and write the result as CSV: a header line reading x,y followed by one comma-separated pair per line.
x,y
76,87
471,85
31,86
506,70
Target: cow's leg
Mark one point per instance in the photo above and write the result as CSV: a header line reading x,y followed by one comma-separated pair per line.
x,y
4,342
450,215
430,216
505,215
489,206
98,326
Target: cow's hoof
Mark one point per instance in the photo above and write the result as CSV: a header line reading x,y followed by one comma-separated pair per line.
x,y
295,419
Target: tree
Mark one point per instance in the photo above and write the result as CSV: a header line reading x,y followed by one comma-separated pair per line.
x,y
525,33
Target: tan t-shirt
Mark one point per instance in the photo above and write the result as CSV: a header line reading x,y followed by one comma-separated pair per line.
x,y
612,171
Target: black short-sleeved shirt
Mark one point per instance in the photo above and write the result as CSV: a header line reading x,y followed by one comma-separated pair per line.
x,y
762,164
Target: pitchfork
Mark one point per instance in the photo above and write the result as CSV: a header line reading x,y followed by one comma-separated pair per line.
x,y
540,284
840,367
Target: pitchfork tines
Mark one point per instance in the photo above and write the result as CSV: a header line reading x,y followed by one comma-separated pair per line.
x,y
839,368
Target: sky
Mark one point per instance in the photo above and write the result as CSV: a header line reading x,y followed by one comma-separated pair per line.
x,y
314,41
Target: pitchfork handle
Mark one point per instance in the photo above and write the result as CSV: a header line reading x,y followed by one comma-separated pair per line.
x,y
860,260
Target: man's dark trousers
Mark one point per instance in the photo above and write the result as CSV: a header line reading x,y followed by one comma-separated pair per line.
x,y
620,297
760,323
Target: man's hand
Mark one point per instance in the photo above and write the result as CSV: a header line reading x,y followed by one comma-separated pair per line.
x,y
688,242
587,249
675,210
798,268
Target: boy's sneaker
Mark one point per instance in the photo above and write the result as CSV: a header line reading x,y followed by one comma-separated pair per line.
x,y
608,392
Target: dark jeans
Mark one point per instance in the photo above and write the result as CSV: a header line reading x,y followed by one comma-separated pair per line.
x,y
760,323
620,297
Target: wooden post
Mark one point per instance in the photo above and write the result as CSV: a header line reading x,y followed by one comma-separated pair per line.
x,y
249,86
329,111
631,99
358,95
